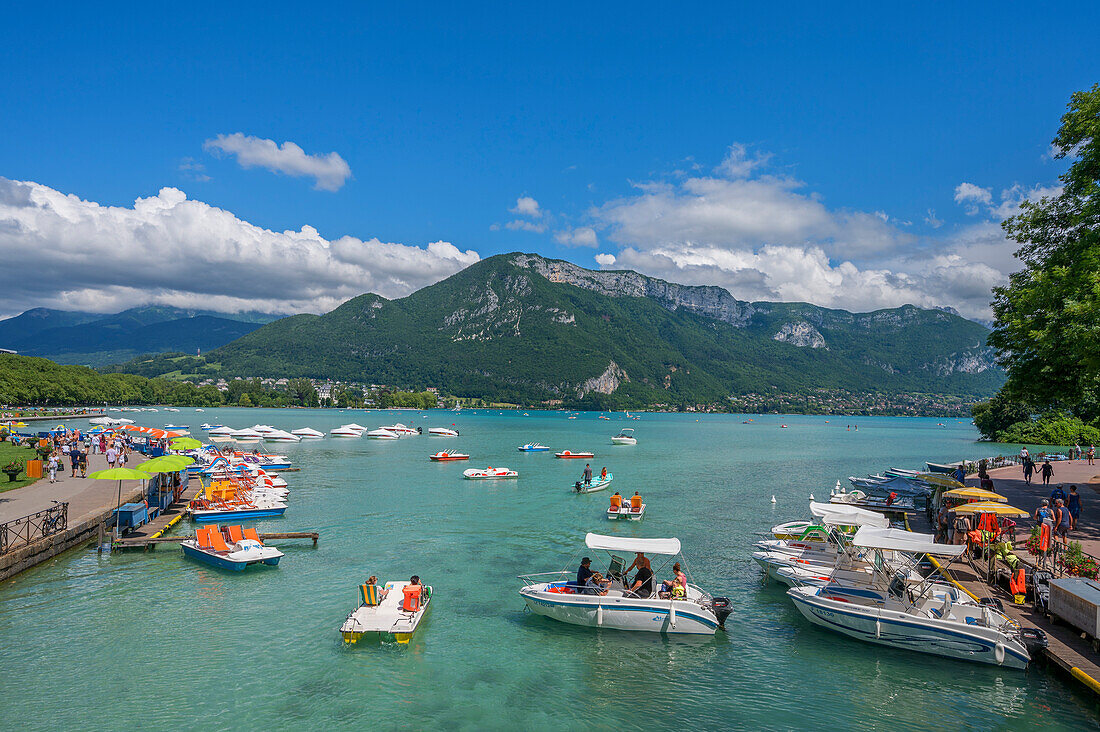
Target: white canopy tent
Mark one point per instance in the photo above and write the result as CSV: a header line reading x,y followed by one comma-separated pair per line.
x,y
627,544
900,540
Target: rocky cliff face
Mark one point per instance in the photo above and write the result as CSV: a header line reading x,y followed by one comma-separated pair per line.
x,y
971,361
713,302
800,334
605,383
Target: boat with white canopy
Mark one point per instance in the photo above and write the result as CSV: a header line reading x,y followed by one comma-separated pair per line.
x,y
625,437
280,436
345,431
308,433
442,432
383,434
402,430
611,605
929,616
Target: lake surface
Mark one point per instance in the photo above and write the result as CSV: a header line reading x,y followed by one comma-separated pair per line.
x,y
155,641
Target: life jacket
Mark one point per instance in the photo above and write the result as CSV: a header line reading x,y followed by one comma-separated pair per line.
x,y
412,598
1044,537
616,501
1016,583
635,501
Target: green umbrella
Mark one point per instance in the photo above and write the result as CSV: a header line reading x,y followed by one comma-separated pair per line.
x,y
165,464
185,443
119,474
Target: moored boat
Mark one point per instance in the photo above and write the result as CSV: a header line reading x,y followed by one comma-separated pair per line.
x,y
308,433
569,455
383,434
345,431
229,547
402,430
447,455
442,432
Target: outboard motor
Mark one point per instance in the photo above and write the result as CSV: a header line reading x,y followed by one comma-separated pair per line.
x,y
577,486
1034,639
419,430
721,608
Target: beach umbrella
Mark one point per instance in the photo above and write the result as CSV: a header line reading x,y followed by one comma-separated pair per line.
x,y
165,464
941,480
975,494
119,474
185,443
1001,509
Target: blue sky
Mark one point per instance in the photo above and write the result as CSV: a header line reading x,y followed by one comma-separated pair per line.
x,y
616,120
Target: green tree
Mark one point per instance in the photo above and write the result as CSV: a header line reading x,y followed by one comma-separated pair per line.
x,y
1047,318
999,413
245,400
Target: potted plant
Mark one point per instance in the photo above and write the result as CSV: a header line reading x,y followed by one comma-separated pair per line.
x,y
13,469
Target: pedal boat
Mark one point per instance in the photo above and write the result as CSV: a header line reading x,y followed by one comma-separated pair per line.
x,y
383,618
597,484
626,511
447,455
556,596
209,546
567,455
489,473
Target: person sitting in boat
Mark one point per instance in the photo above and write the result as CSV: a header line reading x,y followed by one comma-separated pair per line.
x,y
617,503
598,584
414,595
587,474
642,586
635,502
675,588
584,572
603,473
372,593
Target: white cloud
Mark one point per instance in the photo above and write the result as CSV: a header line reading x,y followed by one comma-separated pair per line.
x,y
521,225
527,206
582,236
328,171
737,163
64,252
605,260
931,219
970,196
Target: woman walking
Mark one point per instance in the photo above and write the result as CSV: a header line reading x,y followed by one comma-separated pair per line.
x,y
53,467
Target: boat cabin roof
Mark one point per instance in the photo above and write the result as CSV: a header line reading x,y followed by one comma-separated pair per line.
x,y
846,515
628,544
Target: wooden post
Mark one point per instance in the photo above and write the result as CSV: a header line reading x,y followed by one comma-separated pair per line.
x,y
100,538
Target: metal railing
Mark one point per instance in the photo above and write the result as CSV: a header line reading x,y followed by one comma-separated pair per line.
x,y
29,529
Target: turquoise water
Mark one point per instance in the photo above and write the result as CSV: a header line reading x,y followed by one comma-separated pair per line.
x,y
153,640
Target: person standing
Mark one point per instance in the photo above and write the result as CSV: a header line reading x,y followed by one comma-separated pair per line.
x,y
53,467
1047,471
587,474
1073,503
1091,453
1062,521
1057,495
1029,468
959,474
112,455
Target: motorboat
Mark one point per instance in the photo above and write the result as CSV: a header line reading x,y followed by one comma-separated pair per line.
x,y
264,429
229,547
946,468
219,430
345,431
170,409
559,597
442,432
566,454
625,437
489,473
856,497
901,473
383,434
881,485
246,436
403,431
598,483
307,433
447,455
630,509
929,617
387,614
844,517
281,436
533,447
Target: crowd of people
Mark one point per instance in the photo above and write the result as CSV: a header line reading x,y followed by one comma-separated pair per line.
x,y
69,449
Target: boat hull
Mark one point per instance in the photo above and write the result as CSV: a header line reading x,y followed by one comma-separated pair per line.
x,y
620,613
222,562
213,517
623,441
900,630
616,514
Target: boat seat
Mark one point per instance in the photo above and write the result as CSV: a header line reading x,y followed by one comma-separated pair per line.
x,y
250,533
202,537
615,569
217,543
235,534
369,595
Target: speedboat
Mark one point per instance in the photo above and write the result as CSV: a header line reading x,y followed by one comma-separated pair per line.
x,y
383,434
219,430
345,431
625,437
281,436
384,615
403,431
446,455
566,454
533,447
244,548
263,429
442,432
928,617
947,468
307,433
845,518
859,498
556,596
626,509
245,436
901,473
488,473
598,483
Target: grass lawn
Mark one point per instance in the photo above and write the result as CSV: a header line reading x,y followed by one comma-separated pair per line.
x,y
8,453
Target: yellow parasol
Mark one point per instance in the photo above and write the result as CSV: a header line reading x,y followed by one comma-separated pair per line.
x,y
1001,509
975,493
941,480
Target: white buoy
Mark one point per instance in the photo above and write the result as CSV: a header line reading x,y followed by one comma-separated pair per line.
x,y
811,496
773,499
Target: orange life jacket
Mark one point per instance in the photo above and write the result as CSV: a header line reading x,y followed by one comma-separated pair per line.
x,y
1044,537
616,501
412,598
635,501
1016,583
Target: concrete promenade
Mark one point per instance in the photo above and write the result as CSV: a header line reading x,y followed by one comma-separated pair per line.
x,y
86,497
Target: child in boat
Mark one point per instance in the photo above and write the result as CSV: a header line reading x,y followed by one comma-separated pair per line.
x,y
677,586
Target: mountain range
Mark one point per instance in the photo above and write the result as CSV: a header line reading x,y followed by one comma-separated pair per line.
x,y
97,339
521,328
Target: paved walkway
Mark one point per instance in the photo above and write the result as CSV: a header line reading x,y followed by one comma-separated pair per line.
x,y
86,496
1009,482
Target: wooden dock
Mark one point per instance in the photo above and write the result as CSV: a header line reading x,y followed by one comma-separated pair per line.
x,y
151,542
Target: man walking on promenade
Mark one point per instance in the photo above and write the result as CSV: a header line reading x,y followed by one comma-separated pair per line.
x,y
1029,468
1047,471
1057,495
1062,520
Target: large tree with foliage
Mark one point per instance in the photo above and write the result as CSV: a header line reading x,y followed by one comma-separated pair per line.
x,y
1047,318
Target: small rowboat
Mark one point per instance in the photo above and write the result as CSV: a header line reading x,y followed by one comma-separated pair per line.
x,y
489,473
384,617
597,484
567,455
444,455
533,447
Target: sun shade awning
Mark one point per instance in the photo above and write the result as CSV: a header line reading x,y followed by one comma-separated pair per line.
x,y
627,544
842,515
900,540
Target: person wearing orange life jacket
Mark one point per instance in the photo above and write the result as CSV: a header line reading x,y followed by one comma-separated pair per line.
x,y
616,501
414,593
635,502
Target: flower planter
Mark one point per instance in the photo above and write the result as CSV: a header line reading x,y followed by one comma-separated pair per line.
x,y
12,475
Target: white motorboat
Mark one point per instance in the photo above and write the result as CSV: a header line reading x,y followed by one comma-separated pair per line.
x,y
489,473
280,436
307,433
929,617
856,497
219,431
383,434
402,431
625,437
264,429
533,447
442,432
556,596
170,409
387,615
345,431
248,436
845,517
